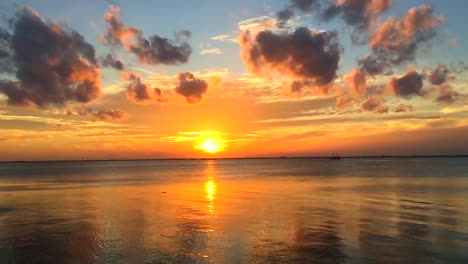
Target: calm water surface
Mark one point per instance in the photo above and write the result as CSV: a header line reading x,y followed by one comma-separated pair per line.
x,y
411,210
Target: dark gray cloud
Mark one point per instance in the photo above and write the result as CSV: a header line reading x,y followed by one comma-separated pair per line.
x,y
110,61
356,13
151,50
302,54
374,65
5,36
191,87
6,62
408,85
137,91
52,66
159,95
304,5
159,50
439,75
283,16
288,12
4,54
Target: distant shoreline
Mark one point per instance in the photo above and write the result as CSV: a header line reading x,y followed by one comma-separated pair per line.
x,y
242,158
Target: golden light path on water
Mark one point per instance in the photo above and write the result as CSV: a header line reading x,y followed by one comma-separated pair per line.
x,y
210,186
212,211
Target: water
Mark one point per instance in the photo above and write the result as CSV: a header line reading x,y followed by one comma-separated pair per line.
x,y
411,210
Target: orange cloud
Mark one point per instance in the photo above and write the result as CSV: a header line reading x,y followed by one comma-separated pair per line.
x,y
404,108
357,80
374,104
396,40
151,50
190,87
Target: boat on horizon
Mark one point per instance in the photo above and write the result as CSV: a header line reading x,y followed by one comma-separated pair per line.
x,y
335,156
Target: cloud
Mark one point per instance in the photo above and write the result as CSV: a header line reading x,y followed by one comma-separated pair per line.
x,y
139,92
403,108
396,40
211,51
451,110
357,80
297,86
357,13
439,75
374,65
302,54
118,34
303,5
283,16
191,87
53,66
103,114
408,85
374,104
110,61
288,12
447,94
110,114
151,50
6,62
225,37
342,101
159,95
256,24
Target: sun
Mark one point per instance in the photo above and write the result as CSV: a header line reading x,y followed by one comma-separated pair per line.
x,y
210,145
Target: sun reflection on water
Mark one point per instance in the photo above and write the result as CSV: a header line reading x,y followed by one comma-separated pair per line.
x,y
210,186
210,189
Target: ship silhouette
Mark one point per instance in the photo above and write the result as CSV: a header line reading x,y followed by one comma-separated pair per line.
x,y
335,156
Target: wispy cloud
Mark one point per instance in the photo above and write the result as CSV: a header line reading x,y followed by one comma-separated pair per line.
x,y
211,51
226,37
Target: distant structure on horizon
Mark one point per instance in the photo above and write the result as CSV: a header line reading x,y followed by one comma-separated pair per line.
x,y
335,156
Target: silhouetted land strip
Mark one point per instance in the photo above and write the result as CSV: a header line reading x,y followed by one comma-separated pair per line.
x,y
243,158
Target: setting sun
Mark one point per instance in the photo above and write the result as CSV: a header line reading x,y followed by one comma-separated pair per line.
x,y
295,131
210,145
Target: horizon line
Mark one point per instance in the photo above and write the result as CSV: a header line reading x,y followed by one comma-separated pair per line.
x,y
234,158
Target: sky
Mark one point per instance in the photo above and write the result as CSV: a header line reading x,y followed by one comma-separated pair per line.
x,y
196,79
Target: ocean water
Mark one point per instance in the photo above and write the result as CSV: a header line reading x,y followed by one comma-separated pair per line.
x,y
380,210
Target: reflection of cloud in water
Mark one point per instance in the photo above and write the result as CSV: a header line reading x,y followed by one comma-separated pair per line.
x,y
310,243
50,239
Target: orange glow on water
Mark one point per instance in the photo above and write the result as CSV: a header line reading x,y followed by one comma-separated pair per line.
x,y
210,189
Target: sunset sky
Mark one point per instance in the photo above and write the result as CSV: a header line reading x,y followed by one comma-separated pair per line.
x,y
201,78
